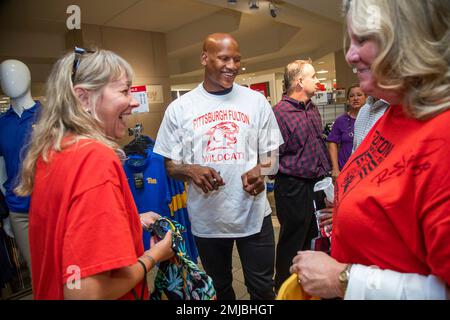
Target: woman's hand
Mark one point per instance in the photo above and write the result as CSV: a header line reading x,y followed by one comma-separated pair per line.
x,y
318,273
161,250
148,218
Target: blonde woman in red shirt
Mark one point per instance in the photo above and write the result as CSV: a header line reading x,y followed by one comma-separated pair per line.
x,y
85,231
391,222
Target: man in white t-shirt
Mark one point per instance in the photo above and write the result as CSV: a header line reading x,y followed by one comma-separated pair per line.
x,y
223,138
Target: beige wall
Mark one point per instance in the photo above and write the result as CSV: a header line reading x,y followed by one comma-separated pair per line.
x,y
146,52
344,74
38,49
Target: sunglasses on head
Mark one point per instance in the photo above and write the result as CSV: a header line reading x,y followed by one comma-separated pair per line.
x,y
76,62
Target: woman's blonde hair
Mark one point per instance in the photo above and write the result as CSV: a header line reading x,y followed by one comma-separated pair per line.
x,y
414,57
63,114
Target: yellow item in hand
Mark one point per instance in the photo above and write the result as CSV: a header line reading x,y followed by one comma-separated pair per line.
x,y
291,289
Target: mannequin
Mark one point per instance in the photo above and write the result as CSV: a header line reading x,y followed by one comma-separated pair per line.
x,y
15,129
15,80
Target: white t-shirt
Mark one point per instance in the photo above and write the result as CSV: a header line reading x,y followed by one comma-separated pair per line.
x,y
227,133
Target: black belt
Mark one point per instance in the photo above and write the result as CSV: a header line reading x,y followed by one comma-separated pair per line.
x,y
283,175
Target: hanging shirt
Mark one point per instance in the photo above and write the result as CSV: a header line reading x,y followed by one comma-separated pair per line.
x,y
15,133
148,183
180,214
154,191
392,199
227,133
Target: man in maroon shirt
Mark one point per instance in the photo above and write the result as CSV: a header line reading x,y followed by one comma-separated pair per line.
x,y
303,161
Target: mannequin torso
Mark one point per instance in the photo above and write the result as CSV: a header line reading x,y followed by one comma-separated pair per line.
x,y
15,127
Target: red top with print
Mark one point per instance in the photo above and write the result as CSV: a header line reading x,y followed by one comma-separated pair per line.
x,y
393,197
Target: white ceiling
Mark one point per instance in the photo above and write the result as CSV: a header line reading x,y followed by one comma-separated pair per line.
x,y
302,28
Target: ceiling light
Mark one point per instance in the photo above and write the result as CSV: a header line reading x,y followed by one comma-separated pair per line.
x,y
321,62
244,68
322,79
322,71
253,5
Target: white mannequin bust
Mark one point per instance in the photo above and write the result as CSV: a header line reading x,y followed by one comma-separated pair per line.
x,y
15,80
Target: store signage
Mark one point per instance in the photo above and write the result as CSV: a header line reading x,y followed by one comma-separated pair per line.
x,y
262,87
139,93
320,99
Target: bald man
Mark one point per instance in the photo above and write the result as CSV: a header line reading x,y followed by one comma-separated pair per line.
x,y
223,139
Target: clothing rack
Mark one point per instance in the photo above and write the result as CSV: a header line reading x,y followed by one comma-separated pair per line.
x,y
19,285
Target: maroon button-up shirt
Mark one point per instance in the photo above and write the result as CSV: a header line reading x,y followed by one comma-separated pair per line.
x,y
304,153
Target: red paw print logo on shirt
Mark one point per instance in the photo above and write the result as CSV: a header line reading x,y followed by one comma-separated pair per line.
x,y
222,136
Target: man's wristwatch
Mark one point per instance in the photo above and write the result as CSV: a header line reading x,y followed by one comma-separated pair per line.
x,y
344,276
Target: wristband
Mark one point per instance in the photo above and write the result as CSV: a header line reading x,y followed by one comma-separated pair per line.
x,y
152,260
145,268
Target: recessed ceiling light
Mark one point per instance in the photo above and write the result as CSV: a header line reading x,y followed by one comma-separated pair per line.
x,y
321,62
322,71
322,79
244,68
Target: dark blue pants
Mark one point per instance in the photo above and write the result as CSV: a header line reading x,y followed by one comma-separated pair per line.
x,y
257,254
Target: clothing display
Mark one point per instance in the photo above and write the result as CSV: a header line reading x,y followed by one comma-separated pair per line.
x,y
153,190
342,134
14,135
392,197
92,226
6,268
227,133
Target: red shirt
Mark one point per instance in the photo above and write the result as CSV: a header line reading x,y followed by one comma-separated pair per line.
x,y
83,220
393,198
